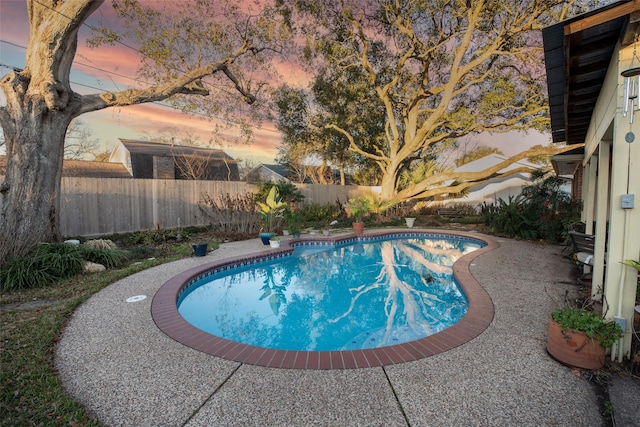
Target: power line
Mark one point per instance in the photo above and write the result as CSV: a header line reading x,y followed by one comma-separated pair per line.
x,y
223,89
11,67
13,44
117,41
108,72
112,73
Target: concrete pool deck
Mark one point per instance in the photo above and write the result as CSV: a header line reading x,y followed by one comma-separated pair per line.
x,y
114,360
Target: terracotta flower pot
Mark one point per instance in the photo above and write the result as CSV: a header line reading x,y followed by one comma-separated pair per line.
x,y
358,227
574,348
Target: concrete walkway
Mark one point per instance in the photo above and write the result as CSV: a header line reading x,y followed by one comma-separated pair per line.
x,y
114,360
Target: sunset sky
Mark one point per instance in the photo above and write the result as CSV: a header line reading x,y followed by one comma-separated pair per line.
x,y
114,68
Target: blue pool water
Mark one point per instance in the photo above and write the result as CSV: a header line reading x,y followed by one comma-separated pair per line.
x,y
335,297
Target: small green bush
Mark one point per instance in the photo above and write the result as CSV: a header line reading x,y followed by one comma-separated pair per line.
x,y
110,258
590,322
50,262
46,263
60,259
288,192
323,214
24,273
510,218
542,211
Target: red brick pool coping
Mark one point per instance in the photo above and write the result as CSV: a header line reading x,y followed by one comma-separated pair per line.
x,y
164,311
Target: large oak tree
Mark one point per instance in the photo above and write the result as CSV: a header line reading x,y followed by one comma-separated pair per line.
x,y
187,49
442,69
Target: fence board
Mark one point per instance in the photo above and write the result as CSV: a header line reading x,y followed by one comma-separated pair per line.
x,y
101,206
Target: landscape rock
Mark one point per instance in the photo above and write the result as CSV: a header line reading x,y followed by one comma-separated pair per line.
x,y
92,267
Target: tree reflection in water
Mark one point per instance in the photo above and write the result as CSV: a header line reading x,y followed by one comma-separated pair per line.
x,y
335,298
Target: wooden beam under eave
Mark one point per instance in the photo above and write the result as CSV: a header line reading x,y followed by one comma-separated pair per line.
x,y
602,17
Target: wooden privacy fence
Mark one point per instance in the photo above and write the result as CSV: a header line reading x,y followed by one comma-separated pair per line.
x,y
101,206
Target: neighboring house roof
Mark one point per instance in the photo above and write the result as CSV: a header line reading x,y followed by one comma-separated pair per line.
x,y
269,172
155,160
279,170
84,169
81,168
161,149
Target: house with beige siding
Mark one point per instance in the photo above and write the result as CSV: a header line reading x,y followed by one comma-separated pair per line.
x,y
593,76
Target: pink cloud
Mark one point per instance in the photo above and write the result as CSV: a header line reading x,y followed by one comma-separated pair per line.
x,y
113,63
148,120
114,67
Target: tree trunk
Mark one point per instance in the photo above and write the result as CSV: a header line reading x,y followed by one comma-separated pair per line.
x,y
41,104
29,195
388,183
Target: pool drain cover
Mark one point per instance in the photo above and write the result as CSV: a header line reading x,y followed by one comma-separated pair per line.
x,y
136,298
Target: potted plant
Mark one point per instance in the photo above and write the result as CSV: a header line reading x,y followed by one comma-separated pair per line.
x,y
579,337
326,229
272,208
406,209
274,241
357,208
293,220
294,230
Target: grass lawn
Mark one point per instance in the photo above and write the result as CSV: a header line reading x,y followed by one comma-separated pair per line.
x,y
30,323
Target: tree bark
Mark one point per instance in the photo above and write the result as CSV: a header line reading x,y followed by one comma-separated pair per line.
x,y
40,106
29,194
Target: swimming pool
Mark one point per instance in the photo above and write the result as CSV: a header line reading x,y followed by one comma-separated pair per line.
x,y
379,318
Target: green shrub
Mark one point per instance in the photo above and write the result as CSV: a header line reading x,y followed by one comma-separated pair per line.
x,y
50,262
287,192
110,258
60,259
551,208
293,220
510,218
138,238
45,264
323,214
542,211
590,322
24,273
